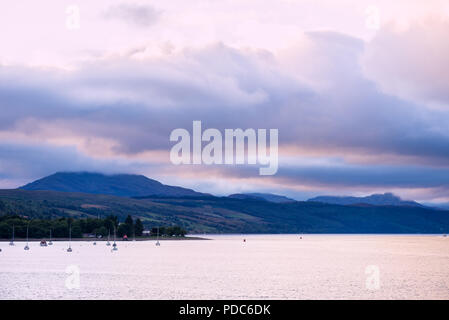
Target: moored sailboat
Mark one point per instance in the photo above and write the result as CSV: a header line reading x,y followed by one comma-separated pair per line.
x,y
157,239
26,246
114,246
69,249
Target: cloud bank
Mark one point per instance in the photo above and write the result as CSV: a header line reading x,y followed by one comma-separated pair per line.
x,y
354,114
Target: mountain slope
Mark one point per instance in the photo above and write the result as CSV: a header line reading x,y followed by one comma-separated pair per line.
x,y
126,185
226,215
386,199
262,196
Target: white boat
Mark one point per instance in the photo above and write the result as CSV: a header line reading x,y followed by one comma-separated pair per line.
x,y
114,246
26,246
157,240
43,243
69,249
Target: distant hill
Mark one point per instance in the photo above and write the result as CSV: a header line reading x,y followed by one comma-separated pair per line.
x,y
262,196
386,199
438,206
227,215
126,185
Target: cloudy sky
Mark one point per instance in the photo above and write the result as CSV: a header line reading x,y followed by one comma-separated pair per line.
x,y
359,91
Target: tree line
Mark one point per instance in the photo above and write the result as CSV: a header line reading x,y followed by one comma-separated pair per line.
x,y
40,228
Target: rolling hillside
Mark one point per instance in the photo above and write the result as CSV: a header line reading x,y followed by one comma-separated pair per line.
x,y
228,215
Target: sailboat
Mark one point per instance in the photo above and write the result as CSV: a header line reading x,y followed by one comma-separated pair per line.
x,y
114,246
69,249
50,243
157,241
12,240
27,247
109,234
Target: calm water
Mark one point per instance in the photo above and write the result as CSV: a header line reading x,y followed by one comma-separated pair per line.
x,y
265,267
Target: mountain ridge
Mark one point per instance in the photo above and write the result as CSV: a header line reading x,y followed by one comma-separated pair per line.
x,y
262,196
386,199
125,185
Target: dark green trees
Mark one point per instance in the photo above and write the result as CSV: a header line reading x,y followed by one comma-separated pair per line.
x,y
138,227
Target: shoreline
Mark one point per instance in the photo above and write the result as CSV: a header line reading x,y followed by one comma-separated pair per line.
x,y
104,239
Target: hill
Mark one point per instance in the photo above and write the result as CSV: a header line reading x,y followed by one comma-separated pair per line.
x,y
261,196
125,185
386,199
228,215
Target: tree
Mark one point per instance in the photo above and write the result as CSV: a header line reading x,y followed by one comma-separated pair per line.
x,y
138,228
123,229
130,223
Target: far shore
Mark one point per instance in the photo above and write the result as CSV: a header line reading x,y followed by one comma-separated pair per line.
x,y
105,239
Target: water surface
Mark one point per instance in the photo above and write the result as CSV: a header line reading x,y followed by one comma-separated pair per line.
x,y
263,267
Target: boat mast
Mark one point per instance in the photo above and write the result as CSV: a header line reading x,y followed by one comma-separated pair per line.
x,y
27,247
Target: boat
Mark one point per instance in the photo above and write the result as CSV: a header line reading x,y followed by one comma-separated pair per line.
x,y
95,243
50,243
12,239
114,246
157,239
69,249
43,243
26,246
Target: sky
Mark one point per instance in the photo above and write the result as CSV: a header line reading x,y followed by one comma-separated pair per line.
x,y
359,91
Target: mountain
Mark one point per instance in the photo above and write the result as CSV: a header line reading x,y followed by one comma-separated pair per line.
x,y
261,196
386,199
125,185
228,215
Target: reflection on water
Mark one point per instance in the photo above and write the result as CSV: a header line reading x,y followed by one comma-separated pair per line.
x,y
263,267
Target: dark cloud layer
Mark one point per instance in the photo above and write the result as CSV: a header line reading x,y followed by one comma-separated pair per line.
x,y
137,103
